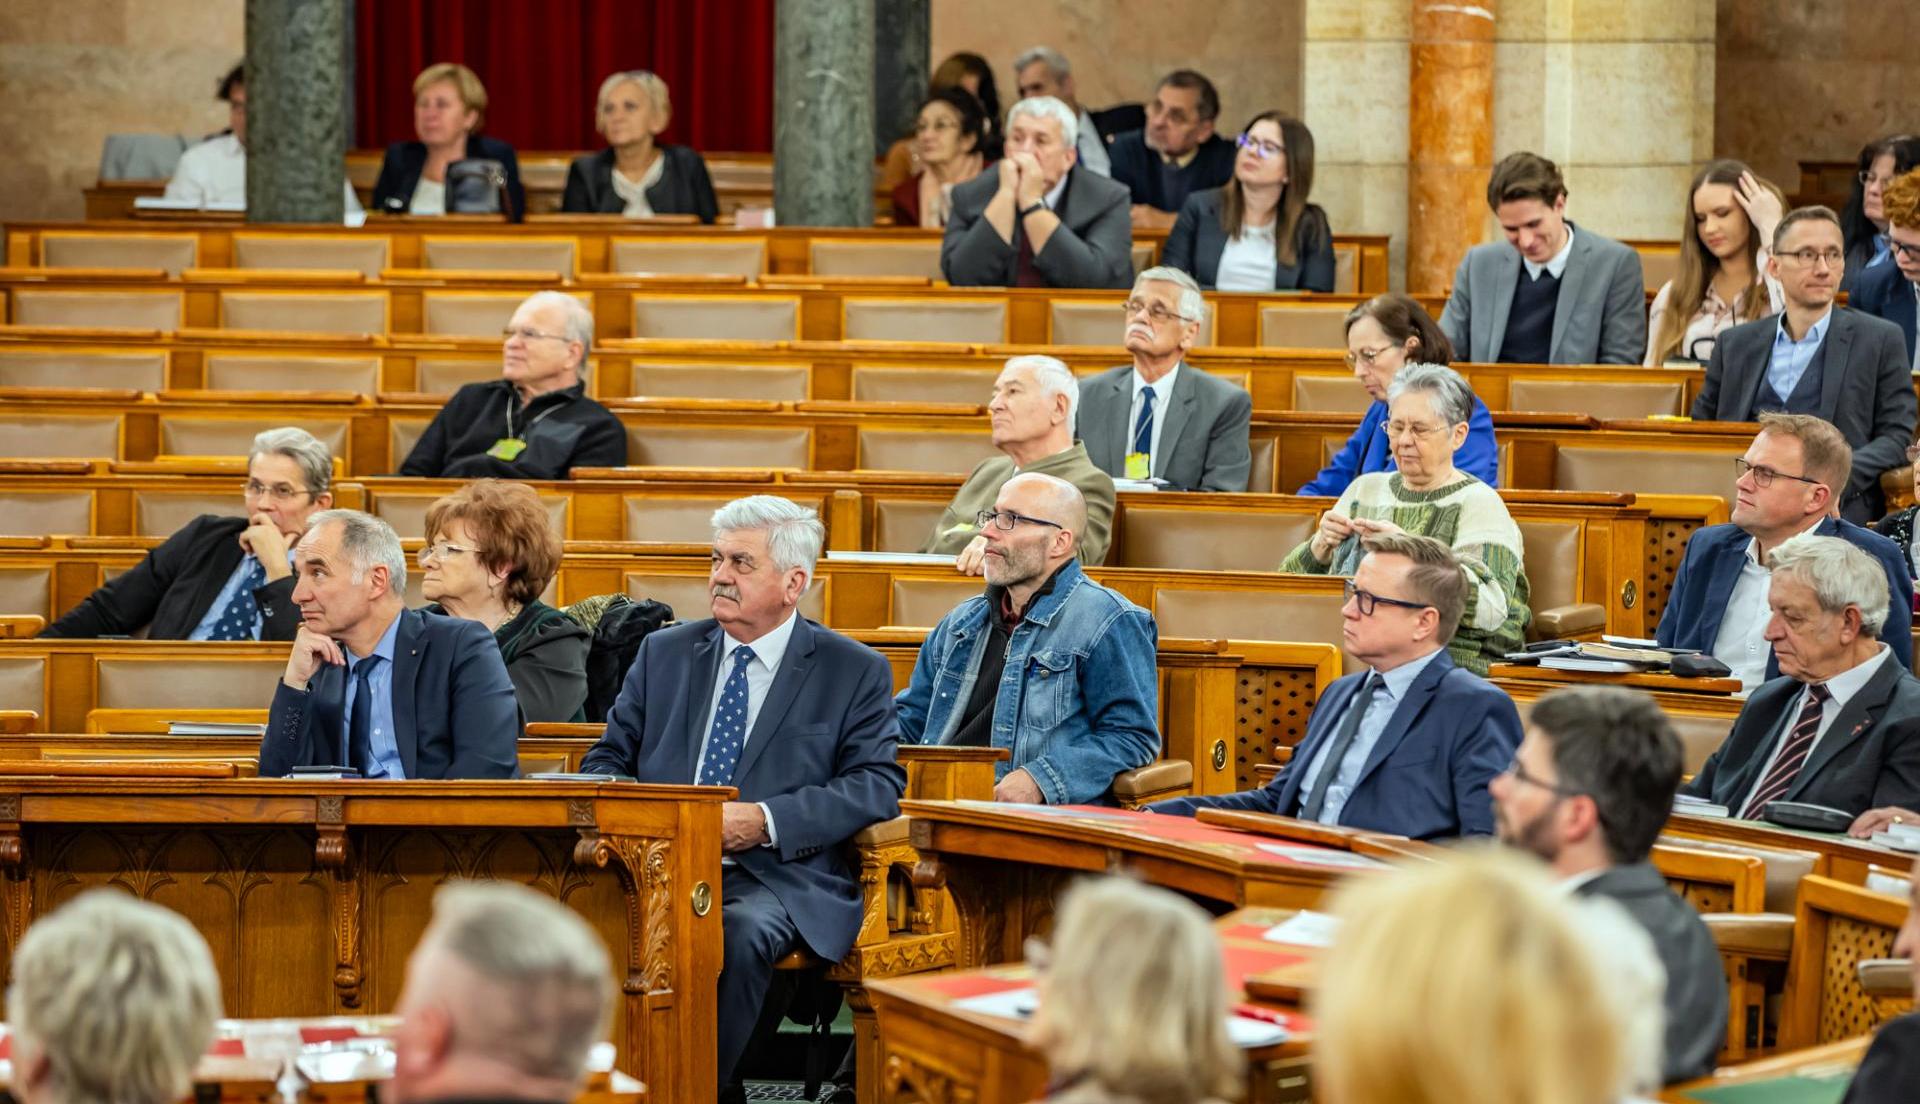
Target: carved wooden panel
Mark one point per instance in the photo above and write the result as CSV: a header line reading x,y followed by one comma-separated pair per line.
x,y
1271,708
1666,544
1845,1008
1703,896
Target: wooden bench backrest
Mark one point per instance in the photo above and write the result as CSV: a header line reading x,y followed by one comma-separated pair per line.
x,y
135,371
92,249
746,257
968,322
366,254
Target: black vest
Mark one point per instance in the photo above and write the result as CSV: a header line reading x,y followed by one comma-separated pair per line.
x,y
1806,394
1529,337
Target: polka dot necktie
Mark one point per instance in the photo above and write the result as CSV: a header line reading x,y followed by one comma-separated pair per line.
x,y
236,621
729,732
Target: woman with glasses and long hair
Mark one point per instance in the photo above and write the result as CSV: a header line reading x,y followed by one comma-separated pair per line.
x,y
1722,278
490,553
1257,232
1383,334
1864,221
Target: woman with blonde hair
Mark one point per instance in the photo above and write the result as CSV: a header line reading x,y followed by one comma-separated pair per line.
x,y
449,106
635,175
1722,280
1133,1000
1476,978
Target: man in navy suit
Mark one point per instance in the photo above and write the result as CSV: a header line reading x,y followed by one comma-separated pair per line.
x,y
378,687
1788,483
796,717
1892,291
1410,746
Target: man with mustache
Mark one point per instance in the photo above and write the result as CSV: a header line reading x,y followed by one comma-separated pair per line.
x,y
797,718
1160,417
1047,663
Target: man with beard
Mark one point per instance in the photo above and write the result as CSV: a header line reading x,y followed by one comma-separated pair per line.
x,y
1588,792
1047,663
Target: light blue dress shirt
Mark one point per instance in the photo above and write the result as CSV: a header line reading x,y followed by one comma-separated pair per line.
x,y
385,745
1390,688
1790,357
222,600
768,651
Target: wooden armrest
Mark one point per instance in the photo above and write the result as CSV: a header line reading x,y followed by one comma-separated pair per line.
x,y
882,834
592,731
1756,934
1564,621
1886,978
1143,783
20,626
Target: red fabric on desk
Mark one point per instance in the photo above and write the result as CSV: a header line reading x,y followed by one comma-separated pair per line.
x,y
973,984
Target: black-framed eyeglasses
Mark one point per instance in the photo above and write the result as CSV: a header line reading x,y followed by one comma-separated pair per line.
x,y
1902,249
1156,313
278,492
1807,258
1764,476
1366,601
1261,147
1006,519
1519,774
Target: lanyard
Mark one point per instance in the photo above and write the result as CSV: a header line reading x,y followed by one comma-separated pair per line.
x,y
536,420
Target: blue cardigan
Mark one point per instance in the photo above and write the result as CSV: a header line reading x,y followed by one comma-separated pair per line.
x,y
1368,451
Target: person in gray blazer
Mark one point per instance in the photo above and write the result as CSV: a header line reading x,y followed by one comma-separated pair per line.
x,y
1161,417
1039,220
1848,368
1588,792
1553,294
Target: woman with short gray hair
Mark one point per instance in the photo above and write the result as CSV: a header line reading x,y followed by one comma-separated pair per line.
x,y
1428,410
636,176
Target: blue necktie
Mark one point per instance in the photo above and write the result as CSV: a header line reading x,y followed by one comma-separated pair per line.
x,y
360,720
1143,425
729,732
236,621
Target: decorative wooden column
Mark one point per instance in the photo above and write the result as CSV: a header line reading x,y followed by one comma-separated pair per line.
x,y
1449,137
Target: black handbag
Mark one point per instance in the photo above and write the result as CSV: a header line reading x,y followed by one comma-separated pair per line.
x,y
476,186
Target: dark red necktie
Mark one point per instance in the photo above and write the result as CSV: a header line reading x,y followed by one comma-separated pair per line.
x,y
1793,754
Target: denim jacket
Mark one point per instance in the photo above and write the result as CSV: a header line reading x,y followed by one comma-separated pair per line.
x,y
1080,698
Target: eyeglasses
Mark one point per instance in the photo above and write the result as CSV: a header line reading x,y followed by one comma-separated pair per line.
x,y
1764,476
1902,249
1401,429
923,126
525,334
279,492
1366,601
1155,313
1519,774
1866,177
1807,258
1006,519
1260,147
440,551
1368,356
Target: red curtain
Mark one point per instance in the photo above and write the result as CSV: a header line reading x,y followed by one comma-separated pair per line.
x,y
542,62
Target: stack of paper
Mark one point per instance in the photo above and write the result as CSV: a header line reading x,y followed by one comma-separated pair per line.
x,y
1697,806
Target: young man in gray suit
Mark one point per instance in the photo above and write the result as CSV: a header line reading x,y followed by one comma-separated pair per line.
x,y
1588,792
1553,294
1037,219
1846,367
1161,417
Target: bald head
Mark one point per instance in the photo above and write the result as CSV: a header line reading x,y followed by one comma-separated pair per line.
x,y
1047,497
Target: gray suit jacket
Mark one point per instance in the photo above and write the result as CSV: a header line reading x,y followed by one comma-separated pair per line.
x,y
1601,317
1203,436
1866,391
1696,987
1093,248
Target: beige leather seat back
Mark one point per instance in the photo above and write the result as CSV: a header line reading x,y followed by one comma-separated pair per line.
x,y
1223,539
1329,394
339,312
135,310
1265,456
25,513
407,512
719,447
1645,470
177,682
692,600
24,591
1658,266
686,519
164,513
1101,322
1142,254
139,371
966,322
921,603
1620,400
173,252
1700,736
501,254
360,375
778,382
402,435
362,253
1316,326
691,257
475,313
1551,558
924,451
190,435
1249,615
903,524
717,318
1346,268
875,258
23,682
445,375
878,383
60,436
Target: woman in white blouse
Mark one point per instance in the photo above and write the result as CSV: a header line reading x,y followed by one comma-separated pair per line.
x,y
1722,279
1258,232
635,175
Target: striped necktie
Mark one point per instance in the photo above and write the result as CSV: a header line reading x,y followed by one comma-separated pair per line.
x,y
1793,753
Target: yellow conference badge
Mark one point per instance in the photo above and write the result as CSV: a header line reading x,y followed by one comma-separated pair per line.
x,y
506,448
1139,465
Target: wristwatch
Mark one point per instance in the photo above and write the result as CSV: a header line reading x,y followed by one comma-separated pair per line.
x,y
1040,206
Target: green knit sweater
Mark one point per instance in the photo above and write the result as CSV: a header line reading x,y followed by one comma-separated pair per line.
x,y
1469,516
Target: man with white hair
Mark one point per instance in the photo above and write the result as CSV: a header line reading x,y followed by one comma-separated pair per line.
x,y
1032,411
797,718
1160,417
1044,71
112,999
506,994
536,421
221,578
1841,726
376,687
1039,219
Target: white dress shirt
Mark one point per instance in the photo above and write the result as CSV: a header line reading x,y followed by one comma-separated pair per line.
x,y
1741,645
1557,264
214,174
1391,690
767,654
1249,262
1092,147
1840,688
1162,391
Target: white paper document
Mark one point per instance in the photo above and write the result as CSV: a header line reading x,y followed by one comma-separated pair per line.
x,y
1014,1004
1321,856
1305,928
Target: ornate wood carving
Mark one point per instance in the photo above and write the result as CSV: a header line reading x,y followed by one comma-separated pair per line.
x,y
908,1081
647,879
580,812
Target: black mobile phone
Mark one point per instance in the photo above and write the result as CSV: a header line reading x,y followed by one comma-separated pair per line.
x,y
323,771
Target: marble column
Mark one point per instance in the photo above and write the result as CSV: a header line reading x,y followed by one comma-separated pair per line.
x,y
1449,136
902,37
823,113
296,110
1354,96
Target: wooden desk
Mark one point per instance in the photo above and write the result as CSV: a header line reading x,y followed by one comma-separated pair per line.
x,y
1643,680
313,893
933,1050
1817,1073
1840,857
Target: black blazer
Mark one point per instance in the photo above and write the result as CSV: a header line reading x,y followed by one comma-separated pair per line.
x,y
1198,238
1696,996
1891,1069
546,656
1866,391
1138,167
1868,757
1885,292
400,173
683,189
170,590
454,713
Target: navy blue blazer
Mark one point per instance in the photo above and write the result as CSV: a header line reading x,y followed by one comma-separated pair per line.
x,y
820,757
1138,167
1711,566
1426,778
1885,292
454,711
401,168
1198,238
